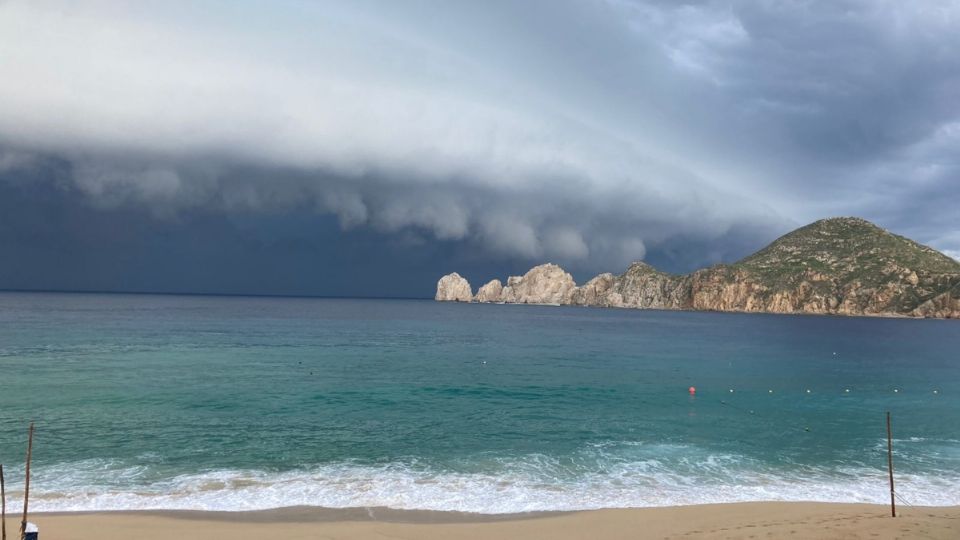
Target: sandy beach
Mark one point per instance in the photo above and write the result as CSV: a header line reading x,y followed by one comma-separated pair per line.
x,y
744,520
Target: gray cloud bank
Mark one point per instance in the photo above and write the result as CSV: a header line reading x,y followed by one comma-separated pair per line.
x,y
589,133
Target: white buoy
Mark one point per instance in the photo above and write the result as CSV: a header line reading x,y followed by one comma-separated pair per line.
x,y
896,390
769,391
808,390
936,391
847,390
731,390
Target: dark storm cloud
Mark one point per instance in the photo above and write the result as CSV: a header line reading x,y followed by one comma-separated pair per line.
x,y
590,133
72,245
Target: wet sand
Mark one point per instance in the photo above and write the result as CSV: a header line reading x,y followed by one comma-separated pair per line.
x,y
741,520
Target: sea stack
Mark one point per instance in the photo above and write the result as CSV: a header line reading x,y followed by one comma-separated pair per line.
x,y
490,293
453,288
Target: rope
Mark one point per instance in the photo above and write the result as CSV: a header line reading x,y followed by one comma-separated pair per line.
x,y
769,421
901,499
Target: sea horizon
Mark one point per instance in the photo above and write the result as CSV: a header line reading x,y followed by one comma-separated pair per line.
x,y
212,294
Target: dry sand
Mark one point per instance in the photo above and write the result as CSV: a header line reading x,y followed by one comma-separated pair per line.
x,y
746,520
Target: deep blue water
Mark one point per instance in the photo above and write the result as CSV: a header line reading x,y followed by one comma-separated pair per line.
x,y
146,401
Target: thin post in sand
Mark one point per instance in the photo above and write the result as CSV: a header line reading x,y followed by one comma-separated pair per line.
x,y
3,507
26,485
893,503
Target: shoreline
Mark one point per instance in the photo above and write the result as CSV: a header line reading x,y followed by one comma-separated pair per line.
x,y
724,520
322,514
881,315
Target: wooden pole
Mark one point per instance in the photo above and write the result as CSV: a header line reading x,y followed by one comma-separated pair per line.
x,y
26,484
3,507
893,503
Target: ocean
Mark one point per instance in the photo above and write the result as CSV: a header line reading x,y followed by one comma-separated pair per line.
x,y
239,403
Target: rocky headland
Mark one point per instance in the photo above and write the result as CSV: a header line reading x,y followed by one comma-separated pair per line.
x,y
837,266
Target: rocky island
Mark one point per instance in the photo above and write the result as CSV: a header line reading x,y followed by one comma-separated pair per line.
x,y
837,266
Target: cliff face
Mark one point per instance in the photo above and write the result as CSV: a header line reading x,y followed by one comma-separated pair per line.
x,y
841,266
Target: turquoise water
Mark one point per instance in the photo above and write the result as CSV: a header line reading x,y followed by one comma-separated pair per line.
x,y
235,403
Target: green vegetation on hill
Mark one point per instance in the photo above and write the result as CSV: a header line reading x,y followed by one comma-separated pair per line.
x,y
845,250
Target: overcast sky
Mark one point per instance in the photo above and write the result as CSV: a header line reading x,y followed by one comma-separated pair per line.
x,y
366,148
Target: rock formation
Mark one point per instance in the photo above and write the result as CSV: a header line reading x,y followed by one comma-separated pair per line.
x,y
453,288
595,292
544,284
840,266
491,292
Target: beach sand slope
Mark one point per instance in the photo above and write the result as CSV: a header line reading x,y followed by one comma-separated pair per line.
x,y
741,520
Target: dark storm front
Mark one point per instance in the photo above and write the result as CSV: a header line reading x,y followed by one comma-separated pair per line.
x,y
231,403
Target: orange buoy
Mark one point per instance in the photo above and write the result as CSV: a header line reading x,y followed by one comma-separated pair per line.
x,y
692,390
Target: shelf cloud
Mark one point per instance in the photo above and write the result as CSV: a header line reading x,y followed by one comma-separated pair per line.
x,y
590,133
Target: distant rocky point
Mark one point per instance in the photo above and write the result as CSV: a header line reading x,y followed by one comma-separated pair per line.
x,y
837,266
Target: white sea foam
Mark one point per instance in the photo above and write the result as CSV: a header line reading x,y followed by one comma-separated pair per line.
x,y
602,477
